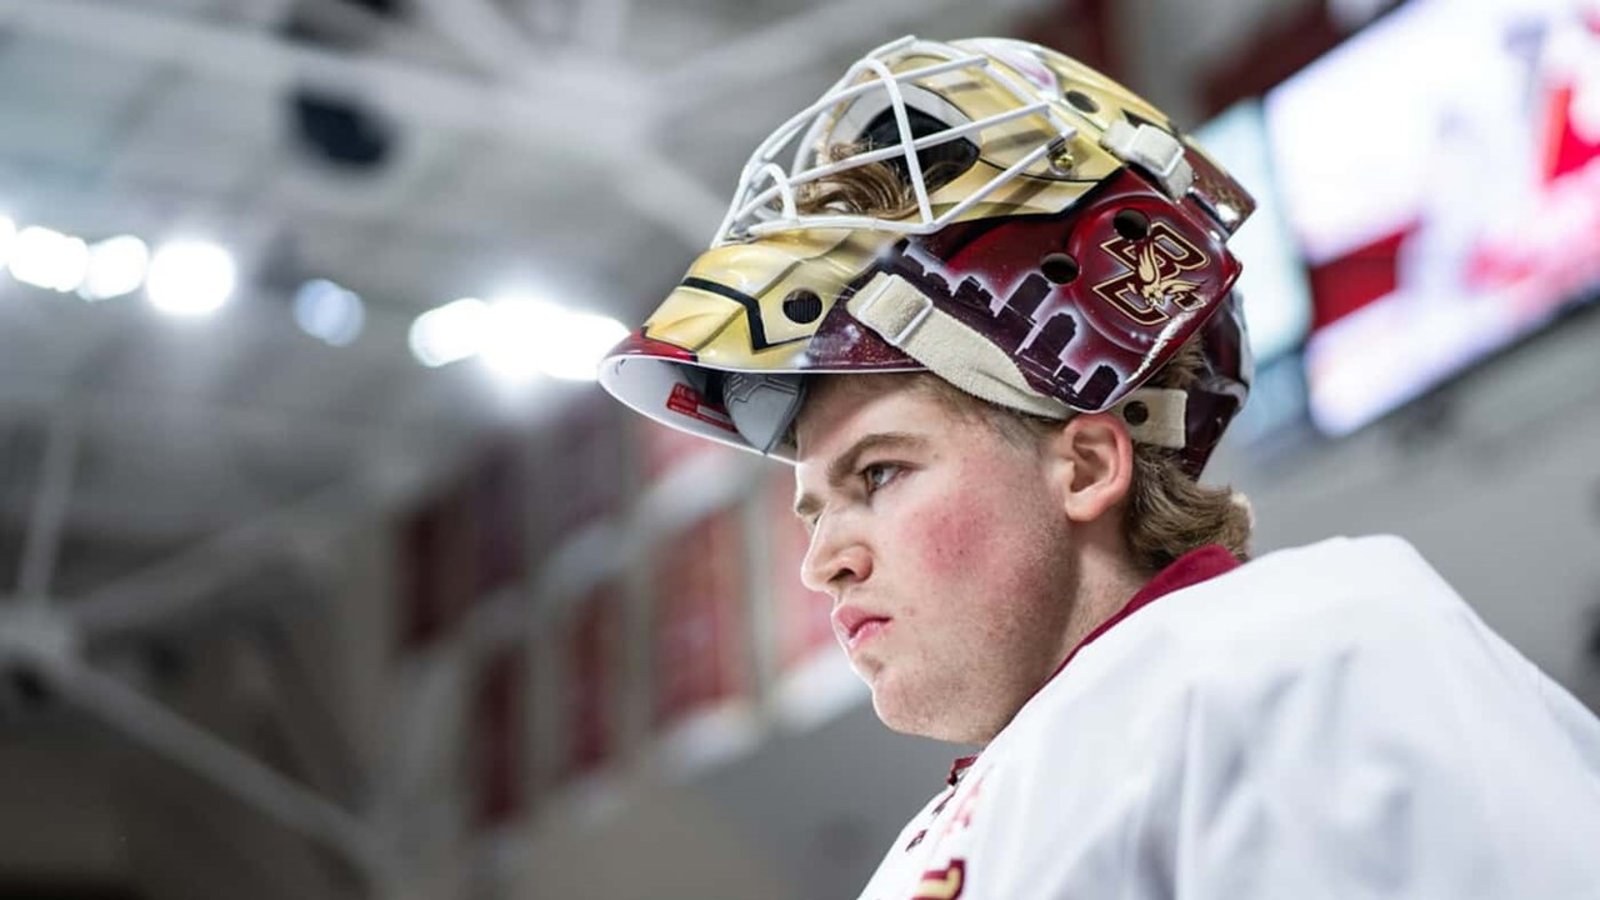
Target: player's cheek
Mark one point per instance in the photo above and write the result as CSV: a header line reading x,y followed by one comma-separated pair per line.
x,y
950,533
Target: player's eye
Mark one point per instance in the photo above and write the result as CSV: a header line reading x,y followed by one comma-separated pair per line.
x,y
878,475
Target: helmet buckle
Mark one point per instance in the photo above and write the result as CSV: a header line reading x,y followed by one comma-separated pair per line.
x,y
1154,151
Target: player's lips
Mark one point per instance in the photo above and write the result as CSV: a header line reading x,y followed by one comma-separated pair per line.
x,y
855,626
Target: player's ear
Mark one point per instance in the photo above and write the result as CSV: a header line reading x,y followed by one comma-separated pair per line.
x,y
1091,459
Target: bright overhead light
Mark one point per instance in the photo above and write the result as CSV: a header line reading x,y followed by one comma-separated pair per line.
x,y
329,312
517,338
8,235
576,348
447,333
116,266
519,329
190,278
49,259
533,337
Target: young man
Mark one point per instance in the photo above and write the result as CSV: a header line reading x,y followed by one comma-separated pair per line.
x,y
985,310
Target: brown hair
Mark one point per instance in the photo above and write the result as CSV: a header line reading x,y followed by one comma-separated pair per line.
x,y
1170,513
877,189
871,189
1167,513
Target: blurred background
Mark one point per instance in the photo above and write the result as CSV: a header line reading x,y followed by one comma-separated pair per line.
x,y
327,573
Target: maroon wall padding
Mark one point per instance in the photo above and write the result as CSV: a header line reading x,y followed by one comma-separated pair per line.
x,y
498,746
593,648
701,649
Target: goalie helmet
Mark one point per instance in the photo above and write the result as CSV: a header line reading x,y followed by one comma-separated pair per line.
x,y
1035,234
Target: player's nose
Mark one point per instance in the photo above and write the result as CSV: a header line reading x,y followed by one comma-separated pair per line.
x,y
836,559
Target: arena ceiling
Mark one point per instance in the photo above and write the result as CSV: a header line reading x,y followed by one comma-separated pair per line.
x,y
413,151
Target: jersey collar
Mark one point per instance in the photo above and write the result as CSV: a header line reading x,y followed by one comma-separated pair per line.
x,y
1188,570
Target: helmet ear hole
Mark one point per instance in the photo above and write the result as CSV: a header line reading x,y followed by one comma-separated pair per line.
x,y
1059,268
802,306
1082,102
1131,224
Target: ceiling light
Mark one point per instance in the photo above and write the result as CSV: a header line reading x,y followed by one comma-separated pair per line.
x,y
447,333
576,348
329,312
116,266
49,259
190,278
520,332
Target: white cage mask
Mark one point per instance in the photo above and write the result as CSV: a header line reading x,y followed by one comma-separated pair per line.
x,y
923,123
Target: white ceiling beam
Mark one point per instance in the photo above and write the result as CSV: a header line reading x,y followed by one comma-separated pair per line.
x,y
149,724
603,24
607,129
52,497
593,84
129,408
491,38
801,42
154,596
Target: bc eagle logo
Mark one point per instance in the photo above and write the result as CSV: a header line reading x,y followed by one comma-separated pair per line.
x,y
1150,279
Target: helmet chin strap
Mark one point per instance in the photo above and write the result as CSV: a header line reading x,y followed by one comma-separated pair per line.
x,y
904,317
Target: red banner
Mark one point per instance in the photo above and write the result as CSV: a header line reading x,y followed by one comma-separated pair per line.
x,y
667,448
593,661
497,502
497,744
582,474
465,542
440,559
700,645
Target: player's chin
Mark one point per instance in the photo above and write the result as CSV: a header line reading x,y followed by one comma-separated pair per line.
x,y
897,708
869,667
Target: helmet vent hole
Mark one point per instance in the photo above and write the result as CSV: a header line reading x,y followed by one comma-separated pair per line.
x,y
1082,102
802,306
1059,268
1136,413
1131,224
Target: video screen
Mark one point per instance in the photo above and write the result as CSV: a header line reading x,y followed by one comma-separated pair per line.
x,y
1277,302
1440,172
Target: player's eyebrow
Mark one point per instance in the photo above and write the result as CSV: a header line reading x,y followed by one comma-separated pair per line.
x,y
840,470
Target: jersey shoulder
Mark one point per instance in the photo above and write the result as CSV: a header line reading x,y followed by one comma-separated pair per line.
x,y
1295,607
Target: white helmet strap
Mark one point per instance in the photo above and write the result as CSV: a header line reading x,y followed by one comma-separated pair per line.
x,y
905,317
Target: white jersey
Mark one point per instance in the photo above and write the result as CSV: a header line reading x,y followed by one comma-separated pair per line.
x,y
1327,722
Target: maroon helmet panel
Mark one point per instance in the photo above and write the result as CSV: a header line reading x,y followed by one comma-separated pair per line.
x,y
1089,302
1222,388
640,344
842,343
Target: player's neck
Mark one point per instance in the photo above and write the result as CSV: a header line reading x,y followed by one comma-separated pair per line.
x,y
1105,586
